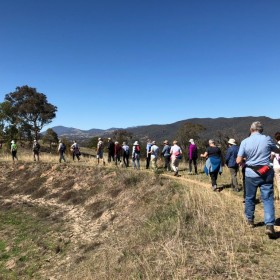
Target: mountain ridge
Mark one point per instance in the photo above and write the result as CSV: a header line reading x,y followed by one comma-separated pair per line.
x,y
235,127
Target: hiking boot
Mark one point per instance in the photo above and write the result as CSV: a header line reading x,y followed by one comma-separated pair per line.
x,y
214,188
269,230
176,173
250,224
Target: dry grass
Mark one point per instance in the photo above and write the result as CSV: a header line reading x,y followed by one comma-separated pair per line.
x,y
126,224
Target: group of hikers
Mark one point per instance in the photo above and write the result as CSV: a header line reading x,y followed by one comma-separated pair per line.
x,y
172,154
35,148
258,157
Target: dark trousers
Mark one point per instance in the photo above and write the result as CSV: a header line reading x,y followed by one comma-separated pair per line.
x,y
61,156
75,155
117,158
148,159
126,159
194,164
167,163
14,155
111,156
233,173
214,176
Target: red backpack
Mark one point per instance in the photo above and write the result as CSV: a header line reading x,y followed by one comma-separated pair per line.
x,y
137,149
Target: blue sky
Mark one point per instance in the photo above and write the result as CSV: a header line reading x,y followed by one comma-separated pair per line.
x,y
125,63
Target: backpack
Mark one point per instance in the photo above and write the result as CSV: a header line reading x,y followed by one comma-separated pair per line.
x,y
36,147
62,147
137,149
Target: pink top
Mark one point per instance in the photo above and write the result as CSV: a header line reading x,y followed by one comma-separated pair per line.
x,y
175,151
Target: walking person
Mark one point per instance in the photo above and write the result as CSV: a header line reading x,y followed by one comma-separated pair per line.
x,y
61,149
230,159
36,150
99,151
117,153
192,156
176,156
166,154
14,150
154,155
75,151
257,150
111,150
213,165
276,164
125,152
148,154
136,155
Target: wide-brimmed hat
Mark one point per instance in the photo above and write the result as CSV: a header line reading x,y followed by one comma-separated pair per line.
x,y
154,142
116,142
136,143
109,138
12,142
231,141
165,142
191,141
99,139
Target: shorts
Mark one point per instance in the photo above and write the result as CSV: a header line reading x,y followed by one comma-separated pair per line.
x,y
100,155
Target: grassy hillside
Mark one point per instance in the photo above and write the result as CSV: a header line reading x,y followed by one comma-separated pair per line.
x,y
81,221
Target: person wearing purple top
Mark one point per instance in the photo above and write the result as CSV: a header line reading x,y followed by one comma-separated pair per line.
x,y
192,156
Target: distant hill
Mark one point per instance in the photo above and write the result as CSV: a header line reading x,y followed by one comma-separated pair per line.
x,y
75,133
237,128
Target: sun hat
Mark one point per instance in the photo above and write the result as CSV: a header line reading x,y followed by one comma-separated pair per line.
x,y
99,139
12,142
154,142
109,138
116,142
231,141
136,143
165,142
191,141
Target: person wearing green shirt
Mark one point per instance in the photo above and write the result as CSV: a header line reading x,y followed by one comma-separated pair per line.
x,y
14,150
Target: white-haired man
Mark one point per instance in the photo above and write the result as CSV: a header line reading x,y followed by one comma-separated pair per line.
x,y
256,149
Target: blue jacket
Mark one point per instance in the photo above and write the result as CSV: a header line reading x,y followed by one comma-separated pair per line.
x,y
213,164
231,156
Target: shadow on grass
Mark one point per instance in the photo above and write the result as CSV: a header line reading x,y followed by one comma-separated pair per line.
x,y
277,222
